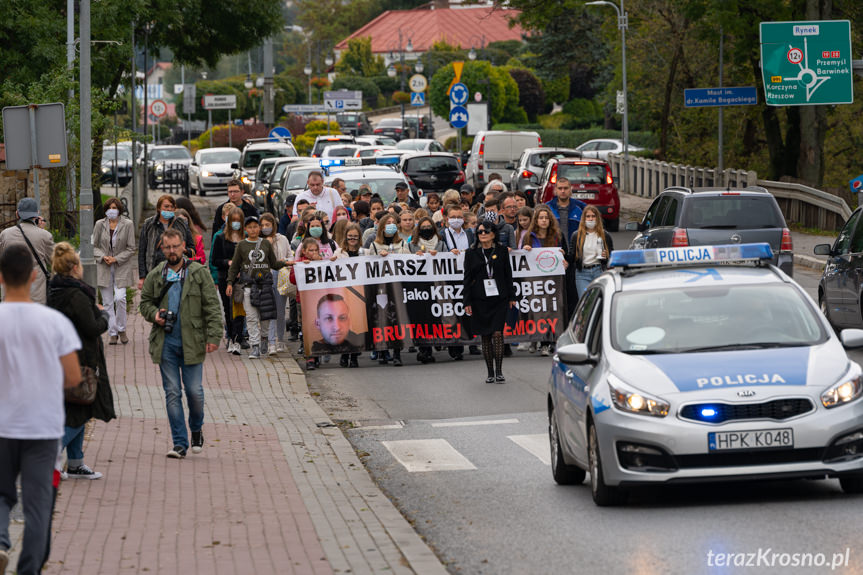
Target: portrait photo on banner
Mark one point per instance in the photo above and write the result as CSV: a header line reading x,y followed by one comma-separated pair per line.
x,y
334,321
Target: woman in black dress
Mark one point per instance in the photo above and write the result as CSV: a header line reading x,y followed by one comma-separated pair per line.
x,y
488,294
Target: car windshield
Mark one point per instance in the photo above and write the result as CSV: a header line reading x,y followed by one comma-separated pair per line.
x,y
221,157
340,151
279,172
541,158
346,117
123,154
731,212
264,170
390,123
297,177
713,319
582,173
411,145
252,158
431,164
170,154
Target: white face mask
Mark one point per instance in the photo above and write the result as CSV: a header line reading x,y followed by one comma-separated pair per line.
x,y
112,213
456,223
590,224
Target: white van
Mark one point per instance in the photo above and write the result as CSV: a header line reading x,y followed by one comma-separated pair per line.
x,y
497,152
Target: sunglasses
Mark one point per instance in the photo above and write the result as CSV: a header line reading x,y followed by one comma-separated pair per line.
x,y
484,231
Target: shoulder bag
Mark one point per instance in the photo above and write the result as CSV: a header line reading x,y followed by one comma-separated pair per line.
x,y
85,392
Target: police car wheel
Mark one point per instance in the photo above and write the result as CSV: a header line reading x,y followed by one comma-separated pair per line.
x,y
603,495
851,483
563,473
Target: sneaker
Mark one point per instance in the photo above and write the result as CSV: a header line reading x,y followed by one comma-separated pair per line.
x,y
255,353
177,452
112,340
273,350
82,472
292,336
523,346
397,361
499,378
354,362
4,560
197,441
281,347
265,347
235,348
373,355
311,365
123,339
544,351
63,477
244,344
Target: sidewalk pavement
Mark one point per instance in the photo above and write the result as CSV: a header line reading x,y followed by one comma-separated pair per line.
x,y
277,488
633,207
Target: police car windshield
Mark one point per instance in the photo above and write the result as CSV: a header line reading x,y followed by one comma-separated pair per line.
x,y
713,319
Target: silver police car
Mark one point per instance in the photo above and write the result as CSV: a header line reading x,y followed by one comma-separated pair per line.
x,y
702,364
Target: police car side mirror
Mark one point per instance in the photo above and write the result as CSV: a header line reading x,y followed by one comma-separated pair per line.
x,y
823,250
633,226
851,337
577,353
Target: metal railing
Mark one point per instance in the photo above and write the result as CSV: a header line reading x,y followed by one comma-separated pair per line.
x,y
800,204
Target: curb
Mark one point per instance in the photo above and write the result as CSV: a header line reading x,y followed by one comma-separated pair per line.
x,y
809,262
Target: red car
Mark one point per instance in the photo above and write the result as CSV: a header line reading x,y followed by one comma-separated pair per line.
x,y
592,183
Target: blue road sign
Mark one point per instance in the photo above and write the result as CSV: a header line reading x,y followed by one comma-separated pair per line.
x,y
418,99
856,184
458,94
279,132
701,97
458,116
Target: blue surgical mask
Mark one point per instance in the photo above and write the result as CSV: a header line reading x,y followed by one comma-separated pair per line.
x,y
167,215
172,276
391,229
316,231
236,226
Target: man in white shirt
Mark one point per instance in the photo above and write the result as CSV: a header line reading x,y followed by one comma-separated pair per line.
x,y
320,197
456,238
37,360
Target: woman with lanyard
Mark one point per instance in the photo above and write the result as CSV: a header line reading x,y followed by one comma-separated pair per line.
x,y
388,242
544,233
590,247
488,295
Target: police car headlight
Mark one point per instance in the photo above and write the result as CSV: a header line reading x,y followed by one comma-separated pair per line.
x,y
842,392
632,401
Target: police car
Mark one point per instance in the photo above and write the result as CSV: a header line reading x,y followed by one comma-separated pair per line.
x,y
702,364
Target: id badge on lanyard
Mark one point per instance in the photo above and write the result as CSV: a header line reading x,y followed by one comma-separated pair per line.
x,y
490,284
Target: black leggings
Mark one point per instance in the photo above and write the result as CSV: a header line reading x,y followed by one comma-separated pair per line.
x,y
492,352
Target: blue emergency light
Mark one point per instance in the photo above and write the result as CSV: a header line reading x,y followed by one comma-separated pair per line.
x,y
691,255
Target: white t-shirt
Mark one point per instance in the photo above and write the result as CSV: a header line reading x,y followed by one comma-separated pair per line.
x,y
33,338
326,202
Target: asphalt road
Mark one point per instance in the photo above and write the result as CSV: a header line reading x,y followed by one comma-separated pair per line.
x,y
467,463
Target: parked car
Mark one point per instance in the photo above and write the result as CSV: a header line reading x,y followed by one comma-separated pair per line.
x,y
168,165
390,127
592,183
420,145
432,171
602,147
322,142
497,151
681,217
212,169
354,123
256,150
531,164
372,151
116,168
841,287
375,141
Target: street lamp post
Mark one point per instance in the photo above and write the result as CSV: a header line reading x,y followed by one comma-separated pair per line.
x,y
409,48
308,72
622,24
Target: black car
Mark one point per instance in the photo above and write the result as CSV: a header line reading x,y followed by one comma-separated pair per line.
x,y
116,168
432,171
354,123
413,128
841,287
681,217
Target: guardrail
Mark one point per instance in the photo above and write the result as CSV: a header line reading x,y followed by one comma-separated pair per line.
x,y
800,204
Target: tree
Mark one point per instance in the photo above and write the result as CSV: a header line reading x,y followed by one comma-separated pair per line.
x,y
358,59
496,85
530,94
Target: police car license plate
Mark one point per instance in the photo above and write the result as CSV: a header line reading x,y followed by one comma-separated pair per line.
x,y
757,439
584,196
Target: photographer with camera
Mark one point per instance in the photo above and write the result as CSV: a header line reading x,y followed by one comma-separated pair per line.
x,y
180,299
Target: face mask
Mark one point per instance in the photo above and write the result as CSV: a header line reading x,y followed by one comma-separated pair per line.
x,y
426,233
112,214
316,231
167,215
340,218
391,229
266,231
456,223
590,224
236,226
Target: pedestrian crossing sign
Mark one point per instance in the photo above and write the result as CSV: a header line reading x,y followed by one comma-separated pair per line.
x,y
418,99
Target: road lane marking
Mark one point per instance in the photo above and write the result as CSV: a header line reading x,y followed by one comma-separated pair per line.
x,y
389,426
427,455
536,445
477,422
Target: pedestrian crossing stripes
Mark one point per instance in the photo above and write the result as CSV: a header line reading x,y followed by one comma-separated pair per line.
x,y
536,444
474,422
421,455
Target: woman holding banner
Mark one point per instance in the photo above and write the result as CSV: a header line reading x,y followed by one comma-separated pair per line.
x,y
351,248
388,242
544,233
488,294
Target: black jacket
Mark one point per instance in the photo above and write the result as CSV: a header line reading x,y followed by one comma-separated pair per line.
x,y
149,251
475,272
575,259
219,221
223,253
77,301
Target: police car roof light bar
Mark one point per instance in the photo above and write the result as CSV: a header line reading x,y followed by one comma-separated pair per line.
x,y
694,255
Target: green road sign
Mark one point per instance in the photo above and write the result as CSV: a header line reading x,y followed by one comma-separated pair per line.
x,y
807,63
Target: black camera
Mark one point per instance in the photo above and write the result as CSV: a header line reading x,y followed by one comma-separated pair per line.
x,y
170,319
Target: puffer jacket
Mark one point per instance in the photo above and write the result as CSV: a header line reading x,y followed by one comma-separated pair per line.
x,y
262,297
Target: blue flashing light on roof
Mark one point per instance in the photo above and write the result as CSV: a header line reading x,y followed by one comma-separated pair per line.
x,y
330,162
387,161
693,255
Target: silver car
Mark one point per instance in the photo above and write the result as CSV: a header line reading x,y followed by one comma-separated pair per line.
x,y
528,170
212,169
676,368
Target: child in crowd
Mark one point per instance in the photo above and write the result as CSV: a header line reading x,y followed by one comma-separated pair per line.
x,y
469,220
309,251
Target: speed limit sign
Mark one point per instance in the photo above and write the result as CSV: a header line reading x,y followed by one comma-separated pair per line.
x,y
158,108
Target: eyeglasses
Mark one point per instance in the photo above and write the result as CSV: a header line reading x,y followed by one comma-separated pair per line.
x,y
484,231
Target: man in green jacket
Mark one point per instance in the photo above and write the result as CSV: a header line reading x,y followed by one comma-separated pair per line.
x,y
180,300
